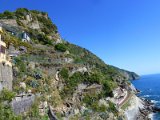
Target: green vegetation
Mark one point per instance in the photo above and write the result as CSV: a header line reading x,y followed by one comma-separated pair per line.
x,y
37,68
8,14
88,78
10,39
21,64
49,27
6,112
21,12
112,108
6,95
71,83
92,102
60,47
127,103
44,39
108,87
64,73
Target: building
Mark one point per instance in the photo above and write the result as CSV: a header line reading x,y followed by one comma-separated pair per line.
x,y
16,31
25,37
2,46
5,66
3,56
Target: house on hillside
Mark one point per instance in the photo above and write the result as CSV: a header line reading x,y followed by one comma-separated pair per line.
x,y
25,37
15,31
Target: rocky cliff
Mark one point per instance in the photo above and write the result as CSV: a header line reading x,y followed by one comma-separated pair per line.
x,y
68,80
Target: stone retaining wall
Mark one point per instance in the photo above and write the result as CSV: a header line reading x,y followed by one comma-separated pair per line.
x,y
22,104
6,76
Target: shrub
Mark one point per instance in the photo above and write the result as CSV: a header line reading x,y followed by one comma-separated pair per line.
x,y
35,11
75,79
21,12
34,111
6,113
92,101
34,84
6,95
60,47
8,14
92,78
71,83
44,39
89,99
95,78
64,73
112,108
108,87
21,65
102,108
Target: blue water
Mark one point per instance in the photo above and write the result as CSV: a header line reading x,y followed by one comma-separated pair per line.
x,y
149,85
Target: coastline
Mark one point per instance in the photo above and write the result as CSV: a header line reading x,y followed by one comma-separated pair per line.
x,y
132,112
140,108
149,93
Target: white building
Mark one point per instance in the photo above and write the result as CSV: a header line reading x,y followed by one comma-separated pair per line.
x,y
3,49
25,37
2,46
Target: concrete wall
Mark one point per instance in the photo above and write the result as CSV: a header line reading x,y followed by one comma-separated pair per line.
x,y
6,76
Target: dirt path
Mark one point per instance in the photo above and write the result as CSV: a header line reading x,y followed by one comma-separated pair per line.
x,y
125,100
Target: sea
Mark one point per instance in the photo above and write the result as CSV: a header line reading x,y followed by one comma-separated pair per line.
x,y
149,85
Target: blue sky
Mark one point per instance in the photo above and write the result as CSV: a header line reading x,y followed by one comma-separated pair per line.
x,y
124,33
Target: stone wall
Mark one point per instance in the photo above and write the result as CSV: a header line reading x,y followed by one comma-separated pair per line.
x,y
11,22
6,76
22,104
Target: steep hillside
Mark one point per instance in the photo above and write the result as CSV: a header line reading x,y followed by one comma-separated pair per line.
x,y
67,80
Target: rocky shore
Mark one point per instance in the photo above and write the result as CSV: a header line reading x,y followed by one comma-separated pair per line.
x,y
149,108
140,108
